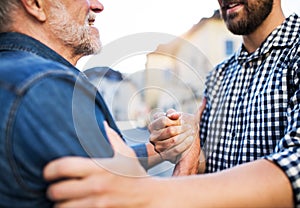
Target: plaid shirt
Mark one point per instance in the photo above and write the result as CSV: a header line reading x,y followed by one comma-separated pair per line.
x,y
253,106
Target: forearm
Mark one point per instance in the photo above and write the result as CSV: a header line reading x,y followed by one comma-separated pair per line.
x,y
153,157
256,184
181,171
189,164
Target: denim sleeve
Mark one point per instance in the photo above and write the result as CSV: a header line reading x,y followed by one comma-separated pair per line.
x,y
52,119
142,154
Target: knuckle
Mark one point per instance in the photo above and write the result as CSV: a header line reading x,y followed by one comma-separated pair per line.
x,y
97,185
172,131
172,141
164,121
97,188
169,144
154,137
165,146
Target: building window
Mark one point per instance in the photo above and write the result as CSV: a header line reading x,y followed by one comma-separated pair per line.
x,y
229,47
167,74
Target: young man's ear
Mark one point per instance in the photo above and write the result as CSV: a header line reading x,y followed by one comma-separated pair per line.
x,y
35,8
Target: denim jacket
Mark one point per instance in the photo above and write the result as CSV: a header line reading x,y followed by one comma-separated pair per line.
x,y
48,110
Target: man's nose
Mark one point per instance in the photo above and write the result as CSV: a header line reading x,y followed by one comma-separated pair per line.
x,y
96,6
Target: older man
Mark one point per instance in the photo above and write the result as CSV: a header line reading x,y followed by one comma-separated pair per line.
x,y
48,108
250,128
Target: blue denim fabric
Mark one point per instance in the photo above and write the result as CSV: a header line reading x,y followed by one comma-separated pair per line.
x,y
48,110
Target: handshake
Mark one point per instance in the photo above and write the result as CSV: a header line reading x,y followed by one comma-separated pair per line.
x,y
174,137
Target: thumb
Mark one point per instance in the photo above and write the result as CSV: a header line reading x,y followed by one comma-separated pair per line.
x,y
174,115
124,161
117,143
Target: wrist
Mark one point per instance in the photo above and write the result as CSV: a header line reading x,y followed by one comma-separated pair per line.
x,y
154,157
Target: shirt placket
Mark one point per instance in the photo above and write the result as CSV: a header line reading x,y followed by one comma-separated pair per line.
x,y
237,141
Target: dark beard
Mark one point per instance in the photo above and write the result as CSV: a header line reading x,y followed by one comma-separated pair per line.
x,y
253,17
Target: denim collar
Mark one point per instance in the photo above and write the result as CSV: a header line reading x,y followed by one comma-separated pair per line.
x,y
20,42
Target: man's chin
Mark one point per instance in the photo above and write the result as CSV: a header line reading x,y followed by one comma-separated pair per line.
x,y
96,44
93,30
97,51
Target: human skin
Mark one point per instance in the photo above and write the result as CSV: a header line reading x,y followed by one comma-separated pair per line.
x,y
174,137
256,184
191,161
110,183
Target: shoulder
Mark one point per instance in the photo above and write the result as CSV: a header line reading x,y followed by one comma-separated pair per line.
x,y
20,70
221,68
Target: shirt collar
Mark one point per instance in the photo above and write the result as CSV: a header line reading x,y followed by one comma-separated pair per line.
x,y
20,42
283,36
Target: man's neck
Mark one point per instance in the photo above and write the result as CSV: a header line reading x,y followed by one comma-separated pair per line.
x,y
255,39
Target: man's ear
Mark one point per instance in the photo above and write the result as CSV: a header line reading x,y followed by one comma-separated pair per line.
x,y
35,8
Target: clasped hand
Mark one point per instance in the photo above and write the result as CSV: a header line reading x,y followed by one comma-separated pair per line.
x,y
175,136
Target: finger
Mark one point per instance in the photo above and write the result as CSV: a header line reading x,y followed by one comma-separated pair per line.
x,y
175,152
77,188
162,122
69,167
194,148
91,201
94,181
125,160
67,189
174,115
172,142
117,143
168,132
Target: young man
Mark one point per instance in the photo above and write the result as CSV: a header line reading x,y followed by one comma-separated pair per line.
x,y
249,128
48,108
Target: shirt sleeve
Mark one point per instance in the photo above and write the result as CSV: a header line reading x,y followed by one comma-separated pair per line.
x,y
142,154
54,118
287,152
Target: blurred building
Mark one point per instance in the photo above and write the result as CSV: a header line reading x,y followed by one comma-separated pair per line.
x,y
119,92
175,72
174,76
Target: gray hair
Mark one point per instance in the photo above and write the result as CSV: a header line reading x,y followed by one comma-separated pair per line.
x,y
7,7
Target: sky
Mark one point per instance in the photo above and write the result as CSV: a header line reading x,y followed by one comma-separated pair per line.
x,y
126,17
122,17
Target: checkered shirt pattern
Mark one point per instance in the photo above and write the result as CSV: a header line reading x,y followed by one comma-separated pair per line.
x,y
253,106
